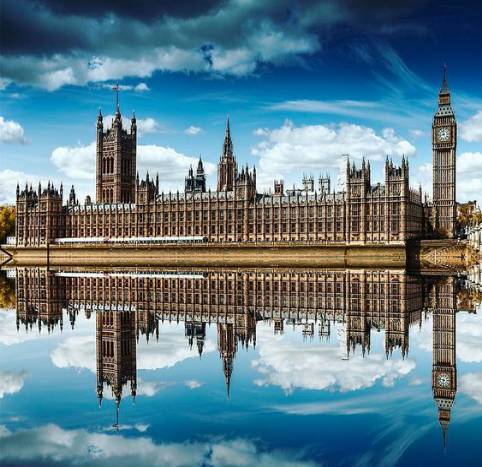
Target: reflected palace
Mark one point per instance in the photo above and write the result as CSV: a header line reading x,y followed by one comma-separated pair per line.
x,y
304,343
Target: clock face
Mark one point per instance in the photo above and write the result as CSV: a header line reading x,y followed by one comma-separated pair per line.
x,y
443,380
443,134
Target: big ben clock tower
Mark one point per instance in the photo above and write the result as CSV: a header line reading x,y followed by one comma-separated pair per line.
x,y
444,144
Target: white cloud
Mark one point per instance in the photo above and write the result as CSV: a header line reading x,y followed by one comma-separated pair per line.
x,y
144,125
51,443
291,365
469,176
320,147
469,172
470,163
147,125
75,162
10,383
11,132
192,130
172,166
422,175
8,184
471,129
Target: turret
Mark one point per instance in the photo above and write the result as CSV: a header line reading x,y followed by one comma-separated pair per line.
x,y
72,198
100,123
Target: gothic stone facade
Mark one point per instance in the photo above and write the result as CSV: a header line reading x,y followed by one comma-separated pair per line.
x,y
362,213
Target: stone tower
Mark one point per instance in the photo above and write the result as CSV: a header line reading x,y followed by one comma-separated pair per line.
x,y
444,145
444,370
116,160
227,168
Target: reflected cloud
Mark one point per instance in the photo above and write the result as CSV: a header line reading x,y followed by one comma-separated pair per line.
x,y
51,443
471,385
193,384
291,365
75,352
10,383
469,338
8,330
171,349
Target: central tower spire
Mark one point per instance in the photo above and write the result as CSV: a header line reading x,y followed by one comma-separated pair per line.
x,y
228,144
227,169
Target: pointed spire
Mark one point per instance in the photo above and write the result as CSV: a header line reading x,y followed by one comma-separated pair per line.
x,y
228,385
99,119
444,435
228,144
444,88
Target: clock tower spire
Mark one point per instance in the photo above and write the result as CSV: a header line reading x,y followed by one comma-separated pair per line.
x,y
444,146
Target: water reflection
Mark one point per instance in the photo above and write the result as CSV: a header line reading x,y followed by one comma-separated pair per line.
x,y
132,305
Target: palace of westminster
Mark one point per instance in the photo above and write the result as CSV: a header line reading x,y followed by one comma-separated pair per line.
x,y
128,304
363,213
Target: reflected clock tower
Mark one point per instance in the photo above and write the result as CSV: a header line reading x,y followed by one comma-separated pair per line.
x,y
444,371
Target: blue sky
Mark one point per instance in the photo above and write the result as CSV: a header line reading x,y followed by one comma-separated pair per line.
x,y
303,82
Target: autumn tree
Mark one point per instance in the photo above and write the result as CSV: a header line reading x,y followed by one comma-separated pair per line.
x,y
7,293
7,222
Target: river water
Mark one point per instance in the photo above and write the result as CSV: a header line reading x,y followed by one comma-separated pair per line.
x,y
239,367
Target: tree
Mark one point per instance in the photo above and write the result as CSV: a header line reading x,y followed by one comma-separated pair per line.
x,y
7,222
468,213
